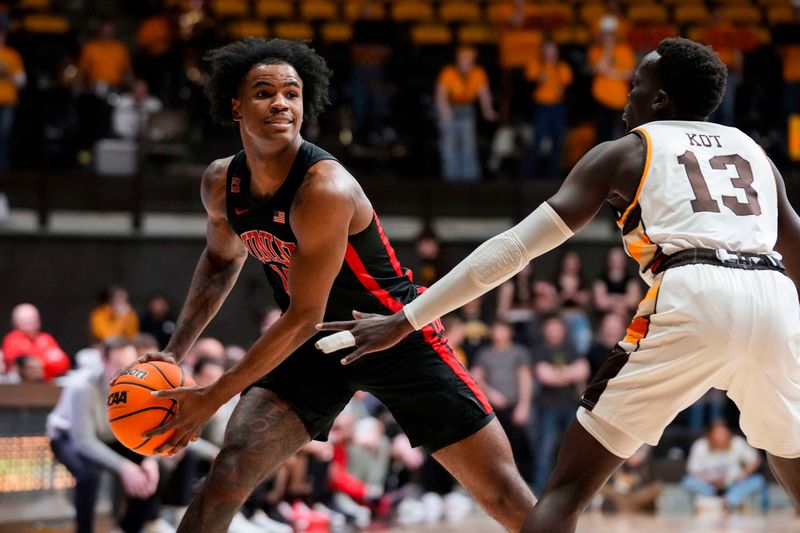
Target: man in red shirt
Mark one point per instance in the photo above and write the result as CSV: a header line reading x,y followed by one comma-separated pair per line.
x,y
27,338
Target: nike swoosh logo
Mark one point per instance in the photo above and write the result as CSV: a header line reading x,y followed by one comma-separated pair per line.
x,y
240,211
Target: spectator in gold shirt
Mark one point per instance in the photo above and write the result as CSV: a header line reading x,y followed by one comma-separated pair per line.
x,y
114,317
552,77
458,88
105,62
612,62
12,79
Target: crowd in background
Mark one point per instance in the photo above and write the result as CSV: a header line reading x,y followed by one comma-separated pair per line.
x,y
532,346
512,92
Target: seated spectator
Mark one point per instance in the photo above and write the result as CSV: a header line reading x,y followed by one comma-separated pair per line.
x,y
616,290
569,280
204,347
144,343
158,319
515,297
27,369
458,88
81,439
131,115
560,372
429,266
476,331
632,489
723,464
503,371
27,338
454,330
611,331
114,317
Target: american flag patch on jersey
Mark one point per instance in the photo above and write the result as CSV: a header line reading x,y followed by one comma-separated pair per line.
x,y
279,217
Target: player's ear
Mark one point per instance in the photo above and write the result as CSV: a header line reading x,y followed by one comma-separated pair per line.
x,y
661,101
236,114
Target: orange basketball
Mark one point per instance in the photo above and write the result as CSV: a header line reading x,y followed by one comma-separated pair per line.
x,y
132,409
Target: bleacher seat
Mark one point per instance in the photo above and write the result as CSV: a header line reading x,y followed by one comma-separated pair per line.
x,y
648,13
239,29
412,11
690,14
780,14
427,34
34,5
744,14
576,34
336,32
354,9
518,45
477,34
645,37
500,12
460,11
590,13
293,30
45,23
318,10
274,9
551,16
230,8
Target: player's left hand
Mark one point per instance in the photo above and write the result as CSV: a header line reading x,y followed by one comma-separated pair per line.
x,y
372,333
195,407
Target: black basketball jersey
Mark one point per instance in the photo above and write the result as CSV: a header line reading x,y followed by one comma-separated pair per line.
x,y
371,278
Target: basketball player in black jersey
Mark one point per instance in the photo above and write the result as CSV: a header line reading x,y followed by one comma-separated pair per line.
x,y
294,208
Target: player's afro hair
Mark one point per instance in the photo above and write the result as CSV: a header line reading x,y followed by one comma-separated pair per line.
x,y
231,63
692,75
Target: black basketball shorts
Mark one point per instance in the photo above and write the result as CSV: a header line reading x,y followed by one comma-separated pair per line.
x,y
430,394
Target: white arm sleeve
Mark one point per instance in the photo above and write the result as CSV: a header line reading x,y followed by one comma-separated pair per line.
x,y
492,263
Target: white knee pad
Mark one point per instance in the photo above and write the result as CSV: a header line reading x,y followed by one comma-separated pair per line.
x,y
613,439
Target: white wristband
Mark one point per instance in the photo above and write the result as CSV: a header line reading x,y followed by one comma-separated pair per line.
x,y
338,341
492,263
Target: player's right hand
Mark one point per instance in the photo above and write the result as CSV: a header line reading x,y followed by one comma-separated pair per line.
x,y
372,333
167,357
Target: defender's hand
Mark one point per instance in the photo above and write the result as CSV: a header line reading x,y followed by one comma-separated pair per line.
x,y
167,357
372,333
195,407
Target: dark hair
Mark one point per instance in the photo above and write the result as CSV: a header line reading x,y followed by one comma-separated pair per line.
x,y
205,360
231,63
20,361
693,76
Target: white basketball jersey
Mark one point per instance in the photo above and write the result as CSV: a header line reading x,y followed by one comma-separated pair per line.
x,y
704,186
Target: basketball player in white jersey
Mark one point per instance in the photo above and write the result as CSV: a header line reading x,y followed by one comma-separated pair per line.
x,y
704,213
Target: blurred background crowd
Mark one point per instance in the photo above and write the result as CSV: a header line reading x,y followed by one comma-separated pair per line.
x,y
531,346
440,108
463,89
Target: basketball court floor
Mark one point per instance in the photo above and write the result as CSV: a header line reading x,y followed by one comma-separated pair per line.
x,y
779,522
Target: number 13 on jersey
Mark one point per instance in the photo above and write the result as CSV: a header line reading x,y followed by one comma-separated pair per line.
x,y
743,179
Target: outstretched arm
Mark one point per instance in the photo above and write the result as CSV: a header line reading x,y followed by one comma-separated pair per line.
x,y
596,176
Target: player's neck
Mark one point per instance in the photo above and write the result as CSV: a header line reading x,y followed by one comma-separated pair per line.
x,y
268,167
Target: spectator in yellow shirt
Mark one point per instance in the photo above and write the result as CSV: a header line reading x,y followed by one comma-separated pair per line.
x,y
552,77
458,88
12,79
612,62
105,62
114,317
